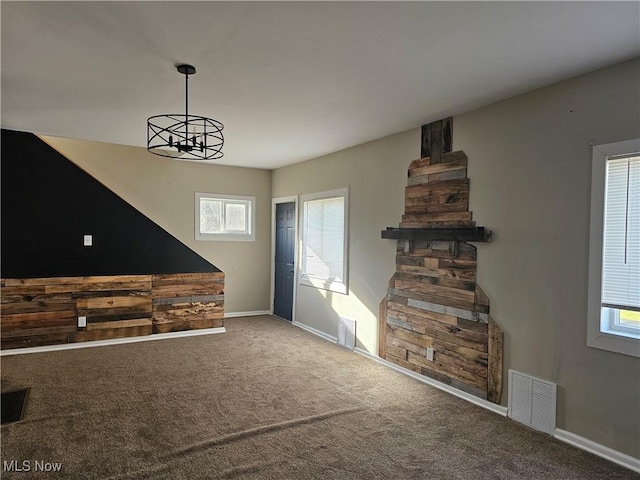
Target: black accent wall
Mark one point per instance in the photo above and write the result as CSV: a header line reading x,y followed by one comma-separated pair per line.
x,y
49,204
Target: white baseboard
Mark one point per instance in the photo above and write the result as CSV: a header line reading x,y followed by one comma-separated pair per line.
x,y
582,443
319,333
246,314
607,453
499,409
113,341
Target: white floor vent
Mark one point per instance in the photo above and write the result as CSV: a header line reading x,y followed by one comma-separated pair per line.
x,y
532,401
347,333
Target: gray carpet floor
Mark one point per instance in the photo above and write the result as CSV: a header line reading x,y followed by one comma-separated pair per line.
x,y
266,400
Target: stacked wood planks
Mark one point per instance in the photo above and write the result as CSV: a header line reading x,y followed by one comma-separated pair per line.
x,y
45,311
433,300
187,301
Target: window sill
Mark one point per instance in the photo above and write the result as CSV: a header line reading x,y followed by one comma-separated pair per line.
x,y
225,237
619,342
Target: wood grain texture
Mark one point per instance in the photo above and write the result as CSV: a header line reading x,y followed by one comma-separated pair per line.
x,y
458,163
495,361
436,139
77,280
168,326
44,311
382,331
440,297
436,217
108,334
445,187
434,301
448,157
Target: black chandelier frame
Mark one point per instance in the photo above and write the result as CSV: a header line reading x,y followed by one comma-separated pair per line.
x,y
184,136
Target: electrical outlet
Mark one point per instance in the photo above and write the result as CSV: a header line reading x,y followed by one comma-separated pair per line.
x,y
430,354
82,322
88,240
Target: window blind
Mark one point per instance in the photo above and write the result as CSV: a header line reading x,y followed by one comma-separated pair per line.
x,y
324,238
621,240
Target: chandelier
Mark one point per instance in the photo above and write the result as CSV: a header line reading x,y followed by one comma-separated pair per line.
x,y
188,137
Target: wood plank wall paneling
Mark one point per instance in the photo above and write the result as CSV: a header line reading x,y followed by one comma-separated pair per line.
x,y
44,311
433,300
187,301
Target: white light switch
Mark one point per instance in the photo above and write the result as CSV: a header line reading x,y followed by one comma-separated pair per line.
x,y
82,322
88,240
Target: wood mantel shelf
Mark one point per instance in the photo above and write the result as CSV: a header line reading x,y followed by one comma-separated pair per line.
x,y
477,234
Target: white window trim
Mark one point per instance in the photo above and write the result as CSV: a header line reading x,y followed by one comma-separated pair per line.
x,y
599,332
311,281
226,236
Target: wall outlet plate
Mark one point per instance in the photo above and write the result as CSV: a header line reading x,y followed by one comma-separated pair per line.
x,y
82,322
430,354
88,240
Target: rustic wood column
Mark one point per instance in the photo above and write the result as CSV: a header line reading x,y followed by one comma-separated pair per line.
x,y
437,138
435,319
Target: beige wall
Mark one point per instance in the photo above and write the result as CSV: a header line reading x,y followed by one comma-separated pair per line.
x,y
163,189
530,167
375,173
530,171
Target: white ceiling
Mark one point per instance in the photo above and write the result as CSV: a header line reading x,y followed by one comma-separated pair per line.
x,y
291,80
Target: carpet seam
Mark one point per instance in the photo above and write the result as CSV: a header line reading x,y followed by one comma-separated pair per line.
x,y
234,437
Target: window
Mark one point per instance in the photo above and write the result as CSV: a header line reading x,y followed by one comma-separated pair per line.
x,y
325,240
225,217
614,258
